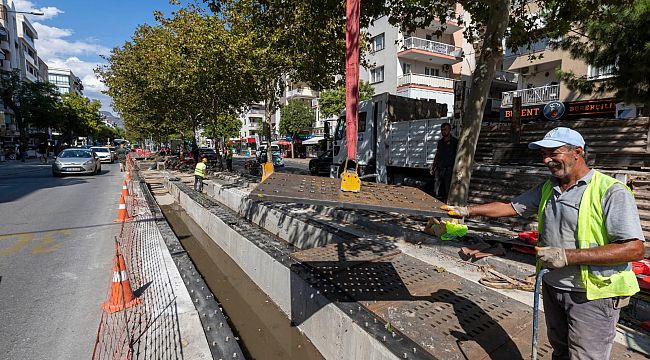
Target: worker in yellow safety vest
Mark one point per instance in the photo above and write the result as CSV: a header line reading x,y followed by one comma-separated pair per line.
x,y
200,172
589,232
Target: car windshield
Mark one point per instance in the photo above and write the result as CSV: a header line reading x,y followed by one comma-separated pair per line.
x,y
100,149
208,151
76,153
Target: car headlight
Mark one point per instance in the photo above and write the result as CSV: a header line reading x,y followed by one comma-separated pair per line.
x,y
58,163
89,162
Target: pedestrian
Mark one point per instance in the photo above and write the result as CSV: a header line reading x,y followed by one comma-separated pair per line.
x,y
200,171
22,150
42,151
443,163
229,160
589,232
195,152
121,153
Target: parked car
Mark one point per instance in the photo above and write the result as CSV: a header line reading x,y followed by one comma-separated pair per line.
x,y
208,153
104,153
321,164
276,155
76,161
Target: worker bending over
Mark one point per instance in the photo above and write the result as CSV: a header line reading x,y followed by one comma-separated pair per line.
x,y
589,232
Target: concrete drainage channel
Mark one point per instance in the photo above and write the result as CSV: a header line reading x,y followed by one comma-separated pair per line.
x,y
337,325
261,328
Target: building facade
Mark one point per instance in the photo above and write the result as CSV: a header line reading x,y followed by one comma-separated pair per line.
x,y
28,57
65,81
424,64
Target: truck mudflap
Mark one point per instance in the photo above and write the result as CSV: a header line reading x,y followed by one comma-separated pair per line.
x,y
316,190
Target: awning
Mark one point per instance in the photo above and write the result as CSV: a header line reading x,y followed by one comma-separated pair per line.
x,y
313,141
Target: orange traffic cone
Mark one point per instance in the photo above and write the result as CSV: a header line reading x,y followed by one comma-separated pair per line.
x,y
121,294
122,214
125,190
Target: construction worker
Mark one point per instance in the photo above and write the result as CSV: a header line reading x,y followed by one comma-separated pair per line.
x,y
200,171
589,232
229,159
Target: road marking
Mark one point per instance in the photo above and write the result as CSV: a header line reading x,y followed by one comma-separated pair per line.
x,y
47,241
48,244
21,241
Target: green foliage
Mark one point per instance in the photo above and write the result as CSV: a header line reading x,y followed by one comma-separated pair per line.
x,y
187,71
332,101
33,103
78,115
227,126
627,57
295,117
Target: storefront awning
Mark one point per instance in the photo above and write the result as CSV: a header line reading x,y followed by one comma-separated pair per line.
x,y
313,141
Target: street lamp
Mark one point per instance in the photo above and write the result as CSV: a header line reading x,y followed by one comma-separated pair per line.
x,y
37,13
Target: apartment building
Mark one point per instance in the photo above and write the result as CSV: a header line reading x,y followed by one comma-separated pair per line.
x,y
422,64
28,58
65,81
252,120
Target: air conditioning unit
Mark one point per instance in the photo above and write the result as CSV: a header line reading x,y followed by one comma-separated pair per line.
x,y
446,67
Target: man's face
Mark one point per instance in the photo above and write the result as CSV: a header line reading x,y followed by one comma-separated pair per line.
x,y
561,161
445,130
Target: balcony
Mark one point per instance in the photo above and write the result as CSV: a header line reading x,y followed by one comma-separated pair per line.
x,y
507,76
538,95
419,49
426,81
301,93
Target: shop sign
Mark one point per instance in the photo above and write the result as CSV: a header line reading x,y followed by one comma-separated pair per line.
x,y
556,110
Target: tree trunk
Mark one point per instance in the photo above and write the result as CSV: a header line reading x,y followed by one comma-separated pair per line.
x,y
491,52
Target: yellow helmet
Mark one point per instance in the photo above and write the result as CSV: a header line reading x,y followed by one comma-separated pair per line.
x,y
205,160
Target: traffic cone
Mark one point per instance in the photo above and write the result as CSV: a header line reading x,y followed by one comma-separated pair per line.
x,y
121,294
122,214
125,190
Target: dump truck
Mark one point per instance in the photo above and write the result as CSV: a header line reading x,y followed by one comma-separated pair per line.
x,y
396,140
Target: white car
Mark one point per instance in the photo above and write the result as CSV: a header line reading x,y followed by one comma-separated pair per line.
x,y
104,153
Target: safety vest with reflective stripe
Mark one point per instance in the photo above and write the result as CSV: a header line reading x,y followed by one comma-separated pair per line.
x,y
199,170
600,281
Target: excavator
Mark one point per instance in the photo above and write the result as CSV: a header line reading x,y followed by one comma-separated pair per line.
x,y
347,191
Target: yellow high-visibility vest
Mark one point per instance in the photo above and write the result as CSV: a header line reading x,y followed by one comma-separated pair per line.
x,y
600,281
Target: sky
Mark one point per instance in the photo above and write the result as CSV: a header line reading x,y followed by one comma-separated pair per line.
x,y
74,34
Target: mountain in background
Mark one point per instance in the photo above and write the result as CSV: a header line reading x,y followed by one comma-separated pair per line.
x,y
112,120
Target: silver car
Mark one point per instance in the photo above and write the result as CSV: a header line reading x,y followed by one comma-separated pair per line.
x,y
76,161
104,153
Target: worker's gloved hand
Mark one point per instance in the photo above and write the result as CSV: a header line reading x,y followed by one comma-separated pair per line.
x,y
552,257
456,211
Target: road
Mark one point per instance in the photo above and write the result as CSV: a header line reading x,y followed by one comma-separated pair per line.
x,y
56,253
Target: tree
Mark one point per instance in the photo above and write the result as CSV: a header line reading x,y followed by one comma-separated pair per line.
x,y
202,74
332,101
295,117
78,115
227,126
626,58
33,103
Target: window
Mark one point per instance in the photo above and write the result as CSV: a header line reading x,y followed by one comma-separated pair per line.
x,y
595,73
431,71
378,42
406,68
377,74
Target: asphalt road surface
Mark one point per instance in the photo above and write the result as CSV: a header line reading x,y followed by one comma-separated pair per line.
x,y
56,253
